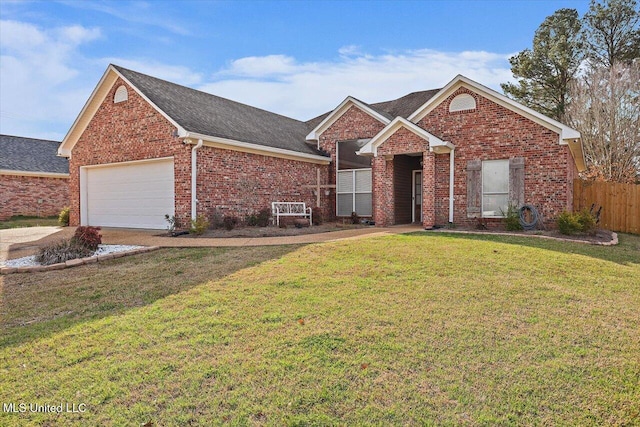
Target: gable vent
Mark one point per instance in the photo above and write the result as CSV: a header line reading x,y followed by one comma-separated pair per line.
x,y
462,102
121,95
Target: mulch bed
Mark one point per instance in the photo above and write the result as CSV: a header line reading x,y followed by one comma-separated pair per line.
x,y
273,231
601,236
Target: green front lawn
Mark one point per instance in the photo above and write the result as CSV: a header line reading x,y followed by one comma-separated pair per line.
x,y
422,329
20,221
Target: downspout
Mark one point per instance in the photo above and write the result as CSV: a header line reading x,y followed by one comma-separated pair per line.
x,y
194,178
451,184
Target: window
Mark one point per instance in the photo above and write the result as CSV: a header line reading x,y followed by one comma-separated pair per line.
x,y
353,180
462,102
121,95
495,187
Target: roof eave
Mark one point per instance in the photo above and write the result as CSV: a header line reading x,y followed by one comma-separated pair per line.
x,y
225,143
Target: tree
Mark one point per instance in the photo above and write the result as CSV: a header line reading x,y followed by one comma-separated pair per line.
x,y
544,72
605,108
612,32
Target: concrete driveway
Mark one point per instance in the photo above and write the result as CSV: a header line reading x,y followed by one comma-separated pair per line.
x,y
19,242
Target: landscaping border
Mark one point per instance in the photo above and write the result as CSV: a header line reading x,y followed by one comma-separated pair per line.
x,y
612,242
76,262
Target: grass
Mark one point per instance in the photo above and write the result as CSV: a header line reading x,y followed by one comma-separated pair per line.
x,y
427,329
20,221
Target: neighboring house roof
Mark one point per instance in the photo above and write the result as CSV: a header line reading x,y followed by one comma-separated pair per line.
x,y
30,156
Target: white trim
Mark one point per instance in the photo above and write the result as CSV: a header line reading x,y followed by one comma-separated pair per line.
x,y
194,179
413,194
128,162
371,148
34,174
231,144
452,165
564,132
344,106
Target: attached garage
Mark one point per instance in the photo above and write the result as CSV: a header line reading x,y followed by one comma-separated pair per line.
x,y
131,194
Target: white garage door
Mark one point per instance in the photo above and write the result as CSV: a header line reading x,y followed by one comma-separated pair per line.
x,y
131,195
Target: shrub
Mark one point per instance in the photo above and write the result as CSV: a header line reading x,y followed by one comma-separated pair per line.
x,y
63,218
316,214
512,219
587,222
264,215
230,222
577,222
216,219
171,222
62,251
251,220
355,219
199,225
88,237
568,223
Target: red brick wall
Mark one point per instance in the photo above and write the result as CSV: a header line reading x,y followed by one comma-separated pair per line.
x,y
240,184
126,131
493,132
20,195
353,124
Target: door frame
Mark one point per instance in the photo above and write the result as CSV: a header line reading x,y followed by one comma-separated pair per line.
x,y
414,173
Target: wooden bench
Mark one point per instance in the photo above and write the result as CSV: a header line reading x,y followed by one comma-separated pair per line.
x,y
279,209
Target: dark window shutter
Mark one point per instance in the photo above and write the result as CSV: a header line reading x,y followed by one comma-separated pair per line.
x,y
516,181
474,188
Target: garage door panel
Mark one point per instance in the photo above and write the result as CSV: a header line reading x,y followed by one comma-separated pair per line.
x,y
135,195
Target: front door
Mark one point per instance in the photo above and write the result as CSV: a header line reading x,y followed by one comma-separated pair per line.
x,y
417,196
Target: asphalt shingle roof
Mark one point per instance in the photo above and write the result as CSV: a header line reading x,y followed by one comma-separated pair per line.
x,y
31,155
403,107
211,115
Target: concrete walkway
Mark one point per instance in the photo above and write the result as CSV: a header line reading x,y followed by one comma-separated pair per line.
x,y
19,242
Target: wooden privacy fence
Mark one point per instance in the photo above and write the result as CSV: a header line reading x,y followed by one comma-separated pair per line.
x,y
620,203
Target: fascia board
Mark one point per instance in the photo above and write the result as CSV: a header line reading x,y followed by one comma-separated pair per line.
x,y
34,174
564,132
314,135
225,143
371,148
93,103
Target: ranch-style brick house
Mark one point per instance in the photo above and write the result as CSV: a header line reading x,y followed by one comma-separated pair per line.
x,y
34,181
143,147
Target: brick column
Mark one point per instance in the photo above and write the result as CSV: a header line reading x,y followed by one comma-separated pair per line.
x,y
383,197
428,189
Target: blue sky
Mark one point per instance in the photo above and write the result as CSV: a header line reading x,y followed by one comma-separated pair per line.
x,y
297,58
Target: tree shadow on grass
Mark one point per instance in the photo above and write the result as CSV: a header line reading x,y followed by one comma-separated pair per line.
x,y
37,305
627,252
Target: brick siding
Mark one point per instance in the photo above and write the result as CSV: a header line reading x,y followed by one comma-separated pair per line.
x,y
127,131
240,184
21,196
492,132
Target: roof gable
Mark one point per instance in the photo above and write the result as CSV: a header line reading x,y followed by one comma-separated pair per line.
x,y
564,132
344,106
194,112
371,148
36,156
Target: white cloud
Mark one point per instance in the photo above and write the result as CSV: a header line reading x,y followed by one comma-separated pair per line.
x,y
303,90
39,79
